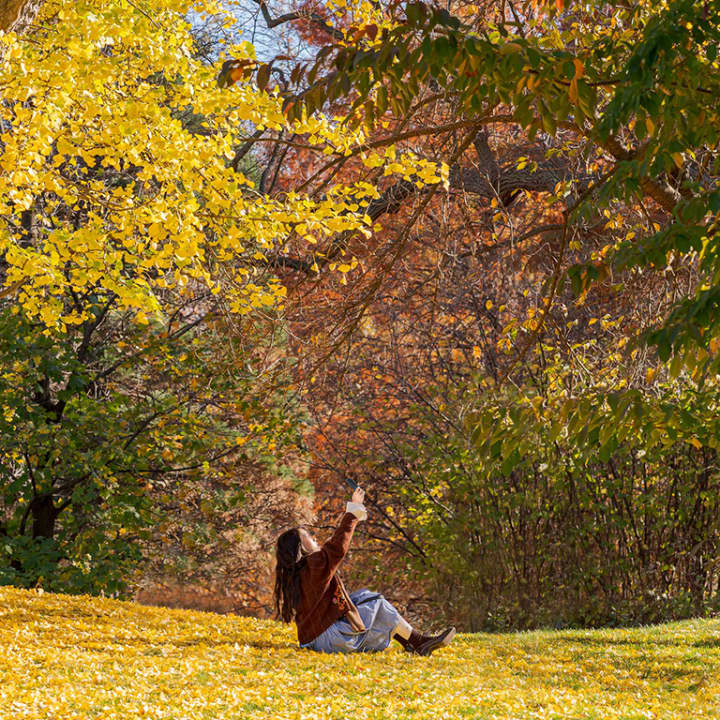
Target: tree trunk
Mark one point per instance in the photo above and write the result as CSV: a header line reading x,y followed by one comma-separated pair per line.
x,y
697,577
44,514
16,15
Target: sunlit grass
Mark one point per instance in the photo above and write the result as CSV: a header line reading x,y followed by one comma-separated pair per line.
x,y
67,657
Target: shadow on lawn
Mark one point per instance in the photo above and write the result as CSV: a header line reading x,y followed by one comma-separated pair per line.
x,y
639,658
30,614
260,644
106,637
635,642
154,646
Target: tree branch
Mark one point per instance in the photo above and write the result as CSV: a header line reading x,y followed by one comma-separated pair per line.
x,y
314,17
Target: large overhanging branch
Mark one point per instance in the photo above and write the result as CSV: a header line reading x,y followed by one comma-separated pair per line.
x,y
489,180
388,203
485,180
661,192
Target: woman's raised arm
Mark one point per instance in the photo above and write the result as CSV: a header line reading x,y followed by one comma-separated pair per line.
x,y
335,549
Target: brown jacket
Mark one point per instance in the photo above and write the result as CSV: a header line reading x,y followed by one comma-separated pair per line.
x,y
323,598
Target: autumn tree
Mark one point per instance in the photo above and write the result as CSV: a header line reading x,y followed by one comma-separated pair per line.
x,y
458,363
140,292
112,429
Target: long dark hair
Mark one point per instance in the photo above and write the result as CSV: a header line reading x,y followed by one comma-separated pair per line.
x,y
290,561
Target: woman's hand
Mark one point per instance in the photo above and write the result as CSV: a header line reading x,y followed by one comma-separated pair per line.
x,y
358,496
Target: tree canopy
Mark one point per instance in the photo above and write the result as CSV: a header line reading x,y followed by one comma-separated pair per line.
x,y
467,253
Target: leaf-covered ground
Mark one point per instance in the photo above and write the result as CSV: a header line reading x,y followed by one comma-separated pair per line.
x,y
79,657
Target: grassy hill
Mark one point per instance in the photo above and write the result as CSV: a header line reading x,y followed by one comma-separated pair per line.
x,y
65,657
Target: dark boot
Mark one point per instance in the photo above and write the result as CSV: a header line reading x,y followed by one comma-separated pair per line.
x,y
426,644
407,643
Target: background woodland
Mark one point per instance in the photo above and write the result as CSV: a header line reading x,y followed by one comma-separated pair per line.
x,y
465,255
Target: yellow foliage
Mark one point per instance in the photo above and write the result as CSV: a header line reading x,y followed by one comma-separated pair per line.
x,y
107,87
66,658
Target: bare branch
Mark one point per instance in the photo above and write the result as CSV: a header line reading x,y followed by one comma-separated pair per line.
x,y
314,17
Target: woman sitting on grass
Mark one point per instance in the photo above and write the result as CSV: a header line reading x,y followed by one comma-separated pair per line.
x,y
309,591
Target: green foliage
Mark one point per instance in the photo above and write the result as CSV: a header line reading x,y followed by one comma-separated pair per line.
x,y
545,507
106,426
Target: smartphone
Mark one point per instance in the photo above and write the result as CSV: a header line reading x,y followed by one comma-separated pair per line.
x,y
351,483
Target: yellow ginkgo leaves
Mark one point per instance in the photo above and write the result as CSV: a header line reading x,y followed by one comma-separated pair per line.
x,y
117,147
64,658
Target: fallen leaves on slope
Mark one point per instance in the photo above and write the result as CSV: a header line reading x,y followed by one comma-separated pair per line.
x,y
65,657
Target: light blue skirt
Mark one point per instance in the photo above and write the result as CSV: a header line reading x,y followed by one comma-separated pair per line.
x,y
380,619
